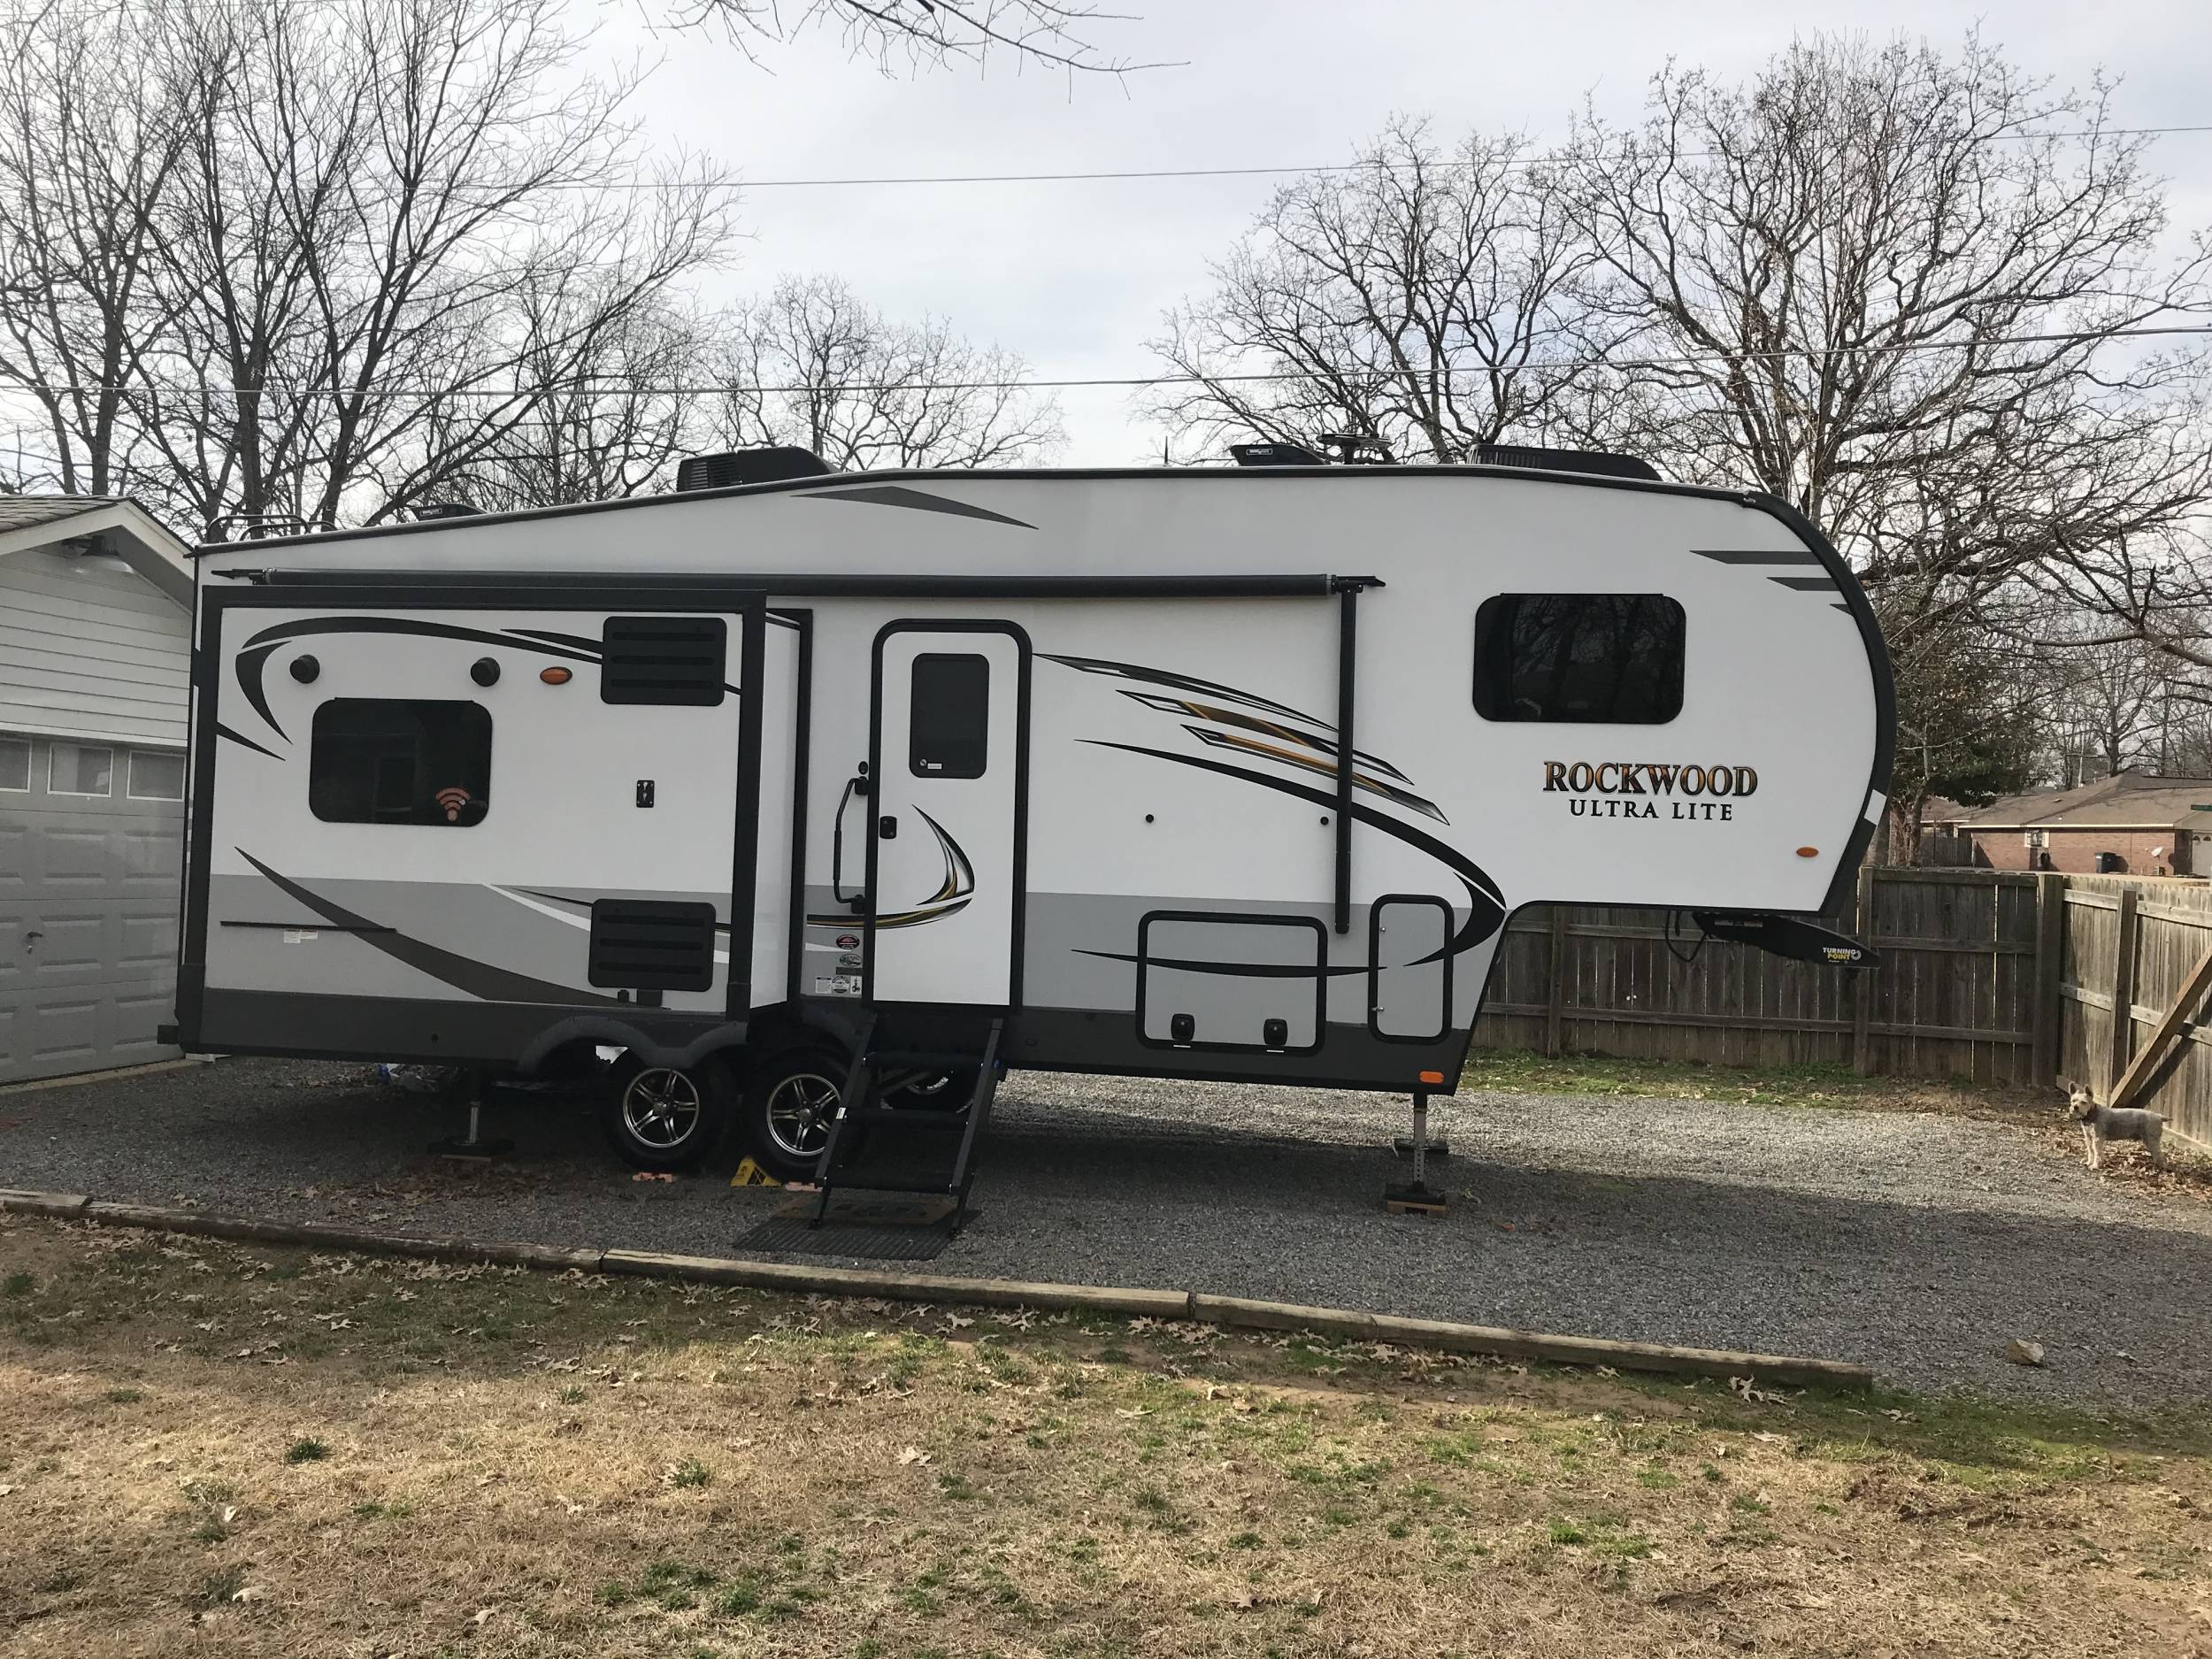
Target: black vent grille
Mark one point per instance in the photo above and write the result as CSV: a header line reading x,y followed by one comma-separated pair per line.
x,y
1604,463
652,945
664,659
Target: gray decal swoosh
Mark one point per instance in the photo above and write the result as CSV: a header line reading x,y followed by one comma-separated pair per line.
x,y
462,974
899,496
1790,555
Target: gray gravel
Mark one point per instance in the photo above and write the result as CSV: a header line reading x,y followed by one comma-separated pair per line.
x,y
1920,1244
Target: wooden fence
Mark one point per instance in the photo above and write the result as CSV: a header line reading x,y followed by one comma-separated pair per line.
x,y
1969,958
2143,946
1992,976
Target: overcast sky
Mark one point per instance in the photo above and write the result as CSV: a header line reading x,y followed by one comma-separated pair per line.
x,y
1074,276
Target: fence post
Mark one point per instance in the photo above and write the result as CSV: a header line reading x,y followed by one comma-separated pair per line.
x,y
1863,991
2050,919
2123,995
1556,1005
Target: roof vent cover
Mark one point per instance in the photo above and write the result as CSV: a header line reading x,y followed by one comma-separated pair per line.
x,y
1602,463
767,464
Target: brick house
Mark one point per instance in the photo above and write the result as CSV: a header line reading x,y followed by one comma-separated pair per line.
x,y
2130,823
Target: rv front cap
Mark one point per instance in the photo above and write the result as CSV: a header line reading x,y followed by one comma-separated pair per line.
x,y
1647,777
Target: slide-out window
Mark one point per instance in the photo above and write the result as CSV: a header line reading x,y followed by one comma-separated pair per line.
x,y
948,715
1586,658
395,760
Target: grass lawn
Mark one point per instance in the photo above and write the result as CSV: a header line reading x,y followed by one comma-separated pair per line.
x,y
213,1448
1529,1072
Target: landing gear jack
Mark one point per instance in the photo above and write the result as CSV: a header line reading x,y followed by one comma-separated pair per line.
x,y
1417,1198
473,1147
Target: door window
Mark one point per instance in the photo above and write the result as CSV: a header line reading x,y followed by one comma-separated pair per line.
x,y
948,717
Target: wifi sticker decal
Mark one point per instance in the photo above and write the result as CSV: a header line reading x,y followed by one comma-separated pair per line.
x,y
452,801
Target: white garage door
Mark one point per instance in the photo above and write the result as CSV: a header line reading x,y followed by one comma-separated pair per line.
x,y
91,856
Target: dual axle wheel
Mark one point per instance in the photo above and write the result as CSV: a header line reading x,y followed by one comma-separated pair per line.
x,y
664,1119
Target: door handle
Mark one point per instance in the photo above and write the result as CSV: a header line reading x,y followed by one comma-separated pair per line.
x,y
887,828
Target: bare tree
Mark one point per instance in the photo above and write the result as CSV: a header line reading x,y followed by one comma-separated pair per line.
x,y
1898,289
812,366
91,142
613,405
917,33
382,231
1427,297
2111,702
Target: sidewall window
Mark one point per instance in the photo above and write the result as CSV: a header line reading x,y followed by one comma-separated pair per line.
x,y
399,760
15,765
1585,659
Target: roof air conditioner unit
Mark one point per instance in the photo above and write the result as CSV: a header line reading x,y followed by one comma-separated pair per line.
x,y
770,463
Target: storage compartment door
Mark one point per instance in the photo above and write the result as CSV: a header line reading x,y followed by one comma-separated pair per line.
x,y
1409,967
1249,983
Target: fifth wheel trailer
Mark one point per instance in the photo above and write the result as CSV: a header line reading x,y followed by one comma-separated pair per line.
x,y
834,786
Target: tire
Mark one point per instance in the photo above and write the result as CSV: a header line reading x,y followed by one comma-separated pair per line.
x,y
789,1102
662,1119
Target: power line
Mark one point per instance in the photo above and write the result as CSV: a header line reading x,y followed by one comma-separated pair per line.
x,y
1445,163
608,385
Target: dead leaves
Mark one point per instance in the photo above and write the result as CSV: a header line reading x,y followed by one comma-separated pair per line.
x,y
1748,1391
913,1456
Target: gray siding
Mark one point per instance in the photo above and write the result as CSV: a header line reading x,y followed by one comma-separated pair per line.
x,y
88,648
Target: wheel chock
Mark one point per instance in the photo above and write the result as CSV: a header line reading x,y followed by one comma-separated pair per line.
x,y
751,1174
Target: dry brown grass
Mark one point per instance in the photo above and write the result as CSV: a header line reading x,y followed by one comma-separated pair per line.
x,y
513,1464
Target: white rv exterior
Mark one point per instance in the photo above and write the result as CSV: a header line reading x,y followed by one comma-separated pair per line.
x,y
1064,748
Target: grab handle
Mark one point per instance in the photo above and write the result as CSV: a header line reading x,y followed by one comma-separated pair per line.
x,y
855,785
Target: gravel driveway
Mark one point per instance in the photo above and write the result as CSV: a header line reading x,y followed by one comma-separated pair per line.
x,y
1917,1244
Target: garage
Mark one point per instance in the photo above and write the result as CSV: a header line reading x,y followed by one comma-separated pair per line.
x,y
95,636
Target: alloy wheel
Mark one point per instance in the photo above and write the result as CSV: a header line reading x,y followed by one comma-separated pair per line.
x,y
660,1108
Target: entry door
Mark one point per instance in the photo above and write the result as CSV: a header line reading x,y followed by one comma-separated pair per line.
x,y
945,854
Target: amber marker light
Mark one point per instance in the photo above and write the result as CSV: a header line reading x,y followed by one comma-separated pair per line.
x,y
1431,1077
1802,852
554,676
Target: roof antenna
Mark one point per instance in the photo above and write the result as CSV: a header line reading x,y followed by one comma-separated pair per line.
x,y
1358,449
